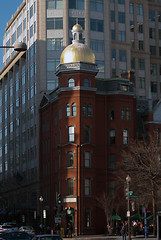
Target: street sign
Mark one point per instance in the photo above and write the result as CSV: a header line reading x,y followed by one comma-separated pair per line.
x,y
57,219
134,196
128,213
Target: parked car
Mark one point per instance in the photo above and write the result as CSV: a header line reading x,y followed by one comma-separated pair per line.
x,y
28,229
13,224
6,228
47,237
2,234
17,235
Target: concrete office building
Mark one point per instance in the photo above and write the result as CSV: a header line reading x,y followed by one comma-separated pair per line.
x,y
124,35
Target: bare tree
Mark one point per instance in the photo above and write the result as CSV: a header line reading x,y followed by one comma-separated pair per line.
x,y
142,159
108,205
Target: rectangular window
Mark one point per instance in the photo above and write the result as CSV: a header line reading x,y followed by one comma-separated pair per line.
x,y
121,1
122,55
153,50
76,4
153,69
140,27
139,9
128,114
54,23
90,110
113,34
31,31
153,87
52,64
112,16
142,82
87,156
87,134
125,136
54,44
141,45
123,113
132,63
121,17
54,4
112,136
96,5
122,36
131,8
87,217
70,186
87,187
31,11
96,25
112,161
159,33
141,64
152,34
71,134
97,45
19,30
152,15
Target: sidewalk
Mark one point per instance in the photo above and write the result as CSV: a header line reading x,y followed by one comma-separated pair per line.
x,y
105,237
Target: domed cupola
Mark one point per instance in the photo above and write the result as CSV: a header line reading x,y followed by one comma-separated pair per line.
x,y
77,51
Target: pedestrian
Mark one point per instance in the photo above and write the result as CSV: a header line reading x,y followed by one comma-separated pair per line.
x,y
124,231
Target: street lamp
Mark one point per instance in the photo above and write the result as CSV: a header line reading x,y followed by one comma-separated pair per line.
x,y
18,46
128,180
41,201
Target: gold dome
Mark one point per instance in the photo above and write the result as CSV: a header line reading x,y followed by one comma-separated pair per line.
x,y
77,27
77,52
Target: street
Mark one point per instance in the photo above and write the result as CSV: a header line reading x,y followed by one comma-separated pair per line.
x,y
98,237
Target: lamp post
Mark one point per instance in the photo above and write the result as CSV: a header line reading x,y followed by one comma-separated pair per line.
x,y
41,201
128,180
18,46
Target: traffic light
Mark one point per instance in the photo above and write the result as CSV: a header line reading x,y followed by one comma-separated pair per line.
x,y
130,193
59,198
126,192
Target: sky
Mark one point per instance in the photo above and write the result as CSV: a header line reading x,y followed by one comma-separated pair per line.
x,y
7,9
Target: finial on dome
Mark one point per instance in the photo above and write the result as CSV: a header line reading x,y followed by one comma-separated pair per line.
x,y
77,31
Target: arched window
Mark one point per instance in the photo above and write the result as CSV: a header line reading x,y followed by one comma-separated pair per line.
x,y
68,110
87,82
74,109
71,82
70,159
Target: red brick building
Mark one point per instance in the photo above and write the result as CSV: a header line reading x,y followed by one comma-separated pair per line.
x,y
84,125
